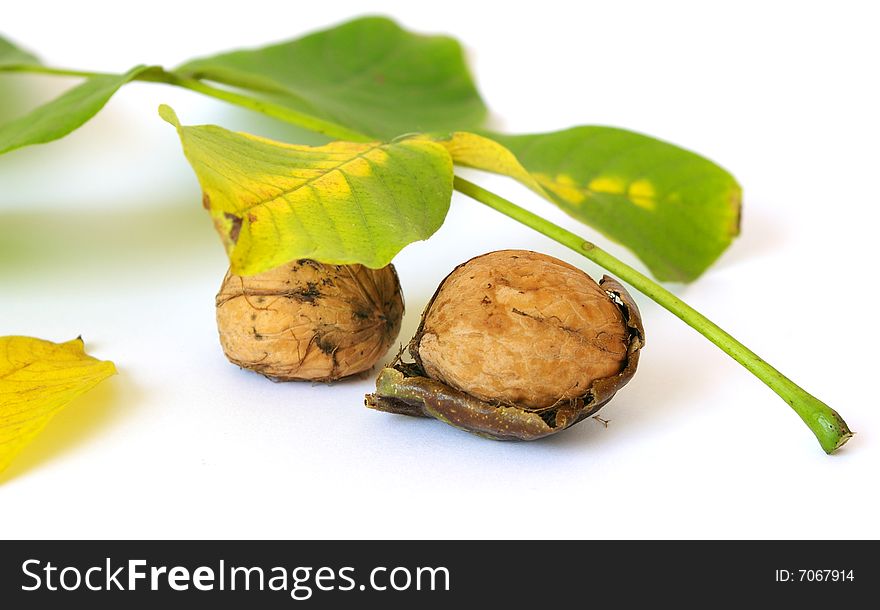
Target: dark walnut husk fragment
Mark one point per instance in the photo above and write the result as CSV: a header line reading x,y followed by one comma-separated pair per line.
x,y
516,345
309,321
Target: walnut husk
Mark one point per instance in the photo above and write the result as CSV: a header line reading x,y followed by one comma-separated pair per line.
x,y
309,321
516,345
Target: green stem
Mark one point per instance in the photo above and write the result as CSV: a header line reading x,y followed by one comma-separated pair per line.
x,y
824,421
158,75
829,428
38,69
283,113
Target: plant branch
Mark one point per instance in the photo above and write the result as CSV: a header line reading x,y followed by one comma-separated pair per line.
x,y
829,428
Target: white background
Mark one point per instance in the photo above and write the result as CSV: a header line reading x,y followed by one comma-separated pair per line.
x,y
102,234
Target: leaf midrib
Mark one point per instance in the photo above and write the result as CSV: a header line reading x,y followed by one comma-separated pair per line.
x,y
310,181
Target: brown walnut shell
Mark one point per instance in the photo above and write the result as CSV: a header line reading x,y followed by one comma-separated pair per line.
x,y
516,345
309,321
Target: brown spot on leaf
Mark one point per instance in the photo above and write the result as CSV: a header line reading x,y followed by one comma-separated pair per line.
x,y
236,226
206,201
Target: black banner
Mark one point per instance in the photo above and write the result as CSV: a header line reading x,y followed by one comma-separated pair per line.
x,y
178,574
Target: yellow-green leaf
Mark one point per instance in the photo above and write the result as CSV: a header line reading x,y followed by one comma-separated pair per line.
x,y
37,379
676,210
341,203
65,113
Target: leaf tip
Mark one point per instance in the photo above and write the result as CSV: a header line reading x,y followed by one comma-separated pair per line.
x,y
77,345
110,367
168,115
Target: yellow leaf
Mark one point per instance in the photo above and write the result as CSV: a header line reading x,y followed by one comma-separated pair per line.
x,y
37,379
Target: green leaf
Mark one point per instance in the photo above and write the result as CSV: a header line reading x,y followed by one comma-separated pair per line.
x,y
65,113
340,203
11,55
367,74
676,210
37,379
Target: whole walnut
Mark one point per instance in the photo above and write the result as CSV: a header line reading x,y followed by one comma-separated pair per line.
x,y
516,344
309,321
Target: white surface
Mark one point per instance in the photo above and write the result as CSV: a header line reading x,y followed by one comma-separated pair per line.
x,y
102,234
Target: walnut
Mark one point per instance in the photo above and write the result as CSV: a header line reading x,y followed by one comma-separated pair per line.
x,y
309,321
516,344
